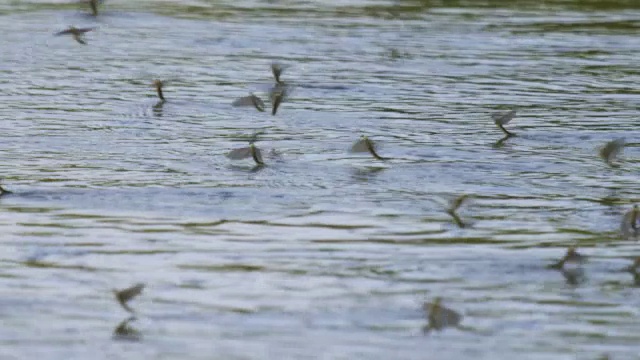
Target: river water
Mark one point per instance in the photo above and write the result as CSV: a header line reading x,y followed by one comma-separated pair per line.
x,y
322,253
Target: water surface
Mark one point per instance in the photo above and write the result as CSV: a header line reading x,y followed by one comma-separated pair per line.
x,y
321,254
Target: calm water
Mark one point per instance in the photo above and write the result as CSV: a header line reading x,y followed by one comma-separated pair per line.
x,y
322,254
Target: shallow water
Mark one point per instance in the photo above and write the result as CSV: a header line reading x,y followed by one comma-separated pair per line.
x,y
321,254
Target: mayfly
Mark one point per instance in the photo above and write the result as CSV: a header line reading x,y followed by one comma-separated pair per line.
x,y
250,100
276,70
454,205
77,33
3,191
610,151
245,153
158,84
440,317
503,119
93,4
277,95
280,91
570,261
364,144
125,295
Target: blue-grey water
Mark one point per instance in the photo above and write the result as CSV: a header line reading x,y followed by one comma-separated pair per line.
x,y
322,253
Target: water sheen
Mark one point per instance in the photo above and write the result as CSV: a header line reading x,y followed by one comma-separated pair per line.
x,y
321,254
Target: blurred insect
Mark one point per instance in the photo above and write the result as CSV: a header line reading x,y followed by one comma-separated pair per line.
x,y
630,225
250,100
77,33
281,90
503,119
454,205
610,151
570,261
276,70
94,6
159,84
247,152
440,317
635,267
3,191
125,295
277,95
570,266
124,331
364,144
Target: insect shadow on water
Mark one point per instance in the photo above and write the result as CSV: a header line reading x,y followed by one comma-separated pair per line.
x,y
364,144
571,266
367,173
125,295
124,331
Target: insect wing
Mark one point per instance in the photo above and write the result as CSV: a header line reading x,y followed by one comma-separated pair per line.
x,y
360,146
238,154
505,118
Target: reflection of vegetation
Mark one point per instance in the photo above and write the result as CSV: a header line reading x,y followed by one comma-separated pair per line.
x,y
214,9
524,4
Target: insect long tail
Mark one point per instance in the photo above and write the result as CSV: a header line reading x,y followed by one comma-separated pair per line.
x,y
507,132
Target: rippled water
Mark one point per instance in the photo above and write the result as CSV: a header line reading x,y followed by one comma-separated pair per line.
x,y
321,254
